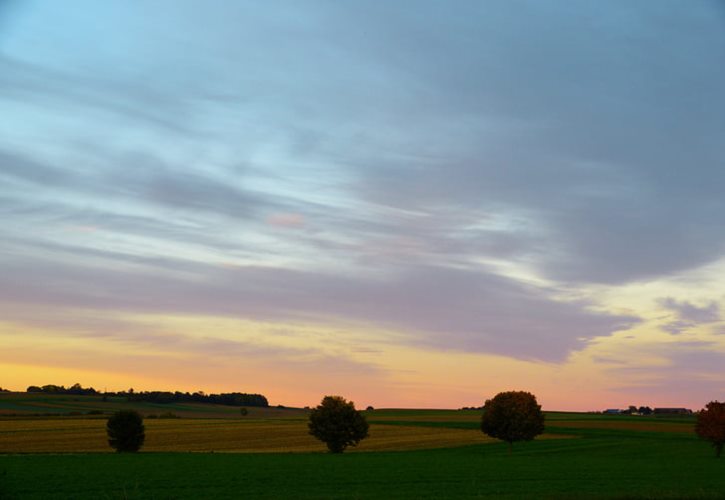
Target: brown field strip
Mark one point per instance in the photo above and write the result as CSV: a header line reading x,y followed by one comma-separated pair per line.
x,y
373,417
180,435
648,425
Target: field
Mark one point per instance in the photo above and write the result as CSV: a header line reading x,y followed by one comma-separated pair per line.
x,y
215,435
47,405
409,454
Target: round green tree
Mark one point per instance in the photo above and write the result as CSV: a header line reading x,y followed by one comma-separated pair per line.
x,y
711,425
337,423
512,416
126,432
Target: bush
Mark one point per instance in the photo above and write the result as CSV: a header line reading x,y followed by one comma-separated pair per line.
x,y
243,412
512,416
711,425
126,431
337,423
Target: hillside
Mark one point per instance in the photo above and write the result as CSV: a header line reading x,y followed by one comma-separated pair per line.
x,y
23,404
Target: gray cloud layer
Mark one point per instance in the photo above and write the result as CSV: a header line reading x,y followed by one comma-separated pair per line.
x,y
689,315
433,307
408,141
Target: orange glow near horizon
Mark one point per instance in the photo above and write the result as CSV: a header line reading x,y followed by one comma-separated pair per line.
x,y
307,362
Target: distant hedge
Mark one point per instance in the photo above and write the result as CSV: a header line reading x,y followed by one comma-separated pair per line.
x,y
163,397
229,399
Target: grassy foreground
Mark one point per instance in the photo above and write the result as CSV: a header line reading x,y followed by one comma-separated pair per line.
x,y
590,467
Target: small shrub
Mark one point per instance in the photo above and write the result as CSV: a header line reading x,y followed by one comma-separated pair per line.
x,y
126,432
243,412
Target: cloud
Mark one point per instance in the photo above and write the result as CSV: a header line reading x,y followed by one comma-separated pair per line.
x,y
406,143
689,312
286,220
82,94
688,373
593,153
14,167
147,205
688,315
102,333
437,308
590,157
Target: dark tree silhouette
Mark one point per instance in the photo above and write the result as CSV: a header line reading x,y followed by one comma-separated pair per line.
x,y
512,416
126,432
645,410
337,423
711,425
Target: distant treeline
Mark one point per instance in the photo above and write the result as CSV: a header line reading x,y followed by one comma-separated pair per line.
x,y
229,399
75,390
163,397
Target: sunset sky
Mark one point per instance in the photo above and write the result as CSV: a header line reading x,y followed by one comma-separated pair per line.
x,y
410,203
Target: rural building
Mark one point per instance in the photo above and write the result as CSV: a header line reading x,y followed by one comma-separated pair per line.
x,y
672,411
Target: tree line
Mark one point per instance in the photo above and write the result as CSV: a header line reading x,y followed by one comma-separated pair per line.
x,y
163,397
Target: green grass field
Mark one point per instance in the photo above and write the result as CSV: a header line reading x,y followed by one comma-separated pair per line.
x,y
589,467
585,456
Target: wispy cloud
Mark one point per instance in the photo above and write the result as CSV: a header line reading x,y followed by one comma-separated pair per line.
x,y
441,308
446,175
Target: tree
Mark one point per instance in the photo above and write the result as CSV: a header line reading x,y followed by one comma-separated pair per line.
x,y
711,425
126,432
512,416
337,423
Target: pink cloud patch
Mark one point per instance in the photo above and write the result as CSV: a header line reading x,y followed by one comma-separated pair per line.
x,y
82,229
286,220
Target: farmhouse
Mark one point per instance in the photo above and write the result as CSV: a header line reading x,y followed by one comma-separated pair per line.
x,y
672,411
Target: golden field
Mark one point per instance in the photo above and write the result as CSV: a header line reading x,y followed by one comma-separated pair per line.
x,y
219,435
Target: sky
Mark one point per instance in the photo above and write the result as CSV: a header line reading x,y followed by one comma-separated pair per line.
x,y
409,204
